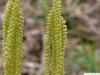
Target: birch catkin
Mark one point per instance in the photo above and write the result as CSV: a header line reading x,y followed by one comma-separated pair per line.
x,y
55,40
12,38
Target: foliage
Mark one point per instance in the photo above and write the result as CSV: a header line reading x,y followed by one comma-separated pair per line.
x,y
83,58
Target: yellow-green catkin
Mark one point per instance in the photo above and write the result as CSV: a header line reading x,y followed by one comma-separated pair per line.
x,y
55,40
12,38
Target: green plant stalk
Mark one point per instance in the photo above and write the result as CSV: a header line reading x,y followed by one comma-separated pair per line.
x,y
12,38
55,40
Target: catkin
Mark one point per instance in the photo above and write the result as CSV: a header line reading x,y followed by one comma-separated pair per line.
x,y
55,40
12,38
